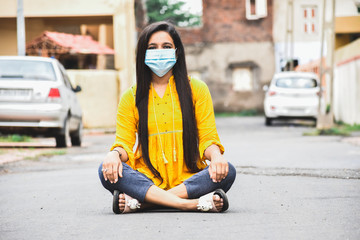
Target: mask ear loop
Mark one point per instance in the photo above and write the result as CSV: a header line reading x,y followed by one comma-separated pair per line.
x,y
176,56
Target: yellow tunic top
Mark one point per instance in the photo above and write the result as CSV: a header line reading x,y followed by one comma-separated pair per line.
x,y
174,172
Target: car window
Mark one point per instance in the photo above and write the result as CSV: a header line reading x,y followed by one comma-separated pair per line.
x,y
296,83
26,70
65,77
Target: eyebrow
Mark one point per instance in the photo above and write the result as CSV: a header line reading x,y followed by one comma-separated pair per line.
x,y
162,43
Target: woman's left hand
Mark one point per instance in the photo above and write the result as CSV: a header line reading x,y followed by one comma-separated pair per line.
x,y
218,168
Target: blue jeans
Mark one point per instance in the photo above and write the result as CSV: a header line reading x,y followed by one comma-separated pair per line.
x,y
136,184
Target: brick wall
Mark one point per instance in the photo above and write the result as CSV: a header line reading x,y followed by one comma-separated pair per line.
x,y
225,21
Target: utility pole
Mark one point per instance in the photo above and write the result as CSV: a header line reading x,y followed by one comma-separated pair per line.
x,y
289,35
20,22
325,113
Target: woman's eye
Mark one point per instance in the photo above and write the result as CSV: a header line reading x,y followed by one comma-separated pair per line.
x,y
151,47
167,47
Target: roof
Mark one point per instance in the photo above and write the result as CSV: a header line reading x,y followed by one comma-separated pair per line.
x,y
67,43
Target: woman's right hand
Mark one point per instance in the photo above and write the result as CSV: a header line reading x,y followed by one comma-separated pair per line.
x,y
112,167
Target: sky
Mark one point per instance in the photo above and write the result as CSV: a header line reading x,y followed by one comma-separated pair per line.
x,y
194,6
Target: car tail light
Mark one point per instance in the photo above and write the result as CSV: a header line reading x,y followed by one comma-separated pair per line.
x,y
272,93
273,108
54,93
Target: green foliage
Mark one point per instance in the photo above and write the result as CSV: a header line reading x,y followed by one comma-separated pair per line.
x,y
15,138
243,113
340,129
328,132
46,154
348,127
172,11
328,108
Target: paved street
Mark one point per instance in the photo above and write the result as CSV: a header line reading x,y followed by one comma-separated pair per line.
x,y
288,186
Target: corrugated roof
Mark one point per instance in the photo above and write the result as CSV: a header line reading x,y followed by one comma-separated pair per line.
x,y
65,42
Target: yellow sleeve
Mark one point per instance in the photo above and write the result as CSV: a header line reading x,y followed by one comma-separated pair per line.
x,y
205,117
126,124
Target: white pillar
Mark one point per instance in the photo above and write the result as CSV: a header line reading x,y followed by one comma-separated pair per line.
x,y
20,22
124,42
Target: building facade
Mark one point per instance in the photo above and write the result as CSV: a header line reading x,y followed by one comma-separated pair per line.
x,y
233,52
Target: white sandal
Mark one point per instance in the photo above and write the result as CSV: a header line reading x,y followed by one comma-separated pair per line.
x,y
131,204
206,202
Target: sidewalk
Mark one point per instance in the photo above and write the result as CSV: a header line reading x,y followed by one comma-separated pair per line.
x,y
17,151
352,140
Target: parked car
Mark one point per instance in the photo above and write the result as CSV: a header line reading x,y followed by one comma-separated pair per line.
x,y
37,98
292,95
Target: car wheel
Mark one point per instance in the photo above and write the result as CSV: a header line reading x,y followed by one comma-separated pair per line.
x,y
76,137
315,122
268,121
63,137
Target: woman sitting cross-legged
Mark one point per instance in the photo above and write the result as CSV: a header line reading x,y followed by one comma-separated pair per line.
x,y
173,116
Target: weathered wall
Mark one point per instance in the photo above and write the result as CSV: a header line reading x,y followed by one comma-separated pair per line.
x,y
8,45
99,96
225,21
55,8
226,41
215,62
347,84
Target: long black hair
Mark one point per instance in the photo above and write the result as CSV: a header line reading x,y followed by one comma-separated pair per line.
x,y
143,81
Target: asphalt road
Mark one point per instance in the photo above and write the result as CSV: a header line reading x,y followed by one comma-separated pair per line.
x,y
288,187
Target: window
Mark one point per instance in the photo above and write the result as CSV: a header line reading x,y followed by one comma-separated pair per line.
x,y
296,83
242,79
256,9
65,77
310,19
26,69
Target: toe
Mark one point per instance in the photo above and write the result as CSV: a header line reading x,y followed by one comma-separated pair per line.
x,y
121,202
218,202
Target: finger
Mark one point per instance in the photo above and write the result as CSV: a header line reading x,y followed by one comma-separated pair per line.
x,y
214,174
109,172
210,171
226,169
120,169
110,175
223,171
219,175
115,172
103,172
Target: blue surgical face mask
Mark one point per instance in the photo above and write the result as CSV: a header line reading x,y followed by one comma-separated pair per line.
x,y
160,61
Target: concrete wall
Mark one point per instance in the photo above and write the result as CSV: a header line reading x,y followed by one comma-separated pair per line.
x,y
8,45
214,64
56,8
306,46
99,96
342,8
225,21
347,83
226,43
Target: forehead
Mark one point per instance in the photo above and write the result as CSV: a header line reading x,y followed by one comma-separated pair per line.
x,y
160,37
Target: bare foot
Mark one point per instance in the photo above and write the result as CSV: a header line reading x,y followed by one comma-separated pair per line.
x,y
121,202
218,202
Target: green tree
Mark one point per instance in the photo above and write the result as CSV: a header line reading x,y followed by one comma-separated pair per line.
x,y
170,10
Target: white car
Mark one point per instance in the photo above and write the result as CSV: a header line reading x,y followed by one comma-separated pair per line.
x,y
292,95
37,98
